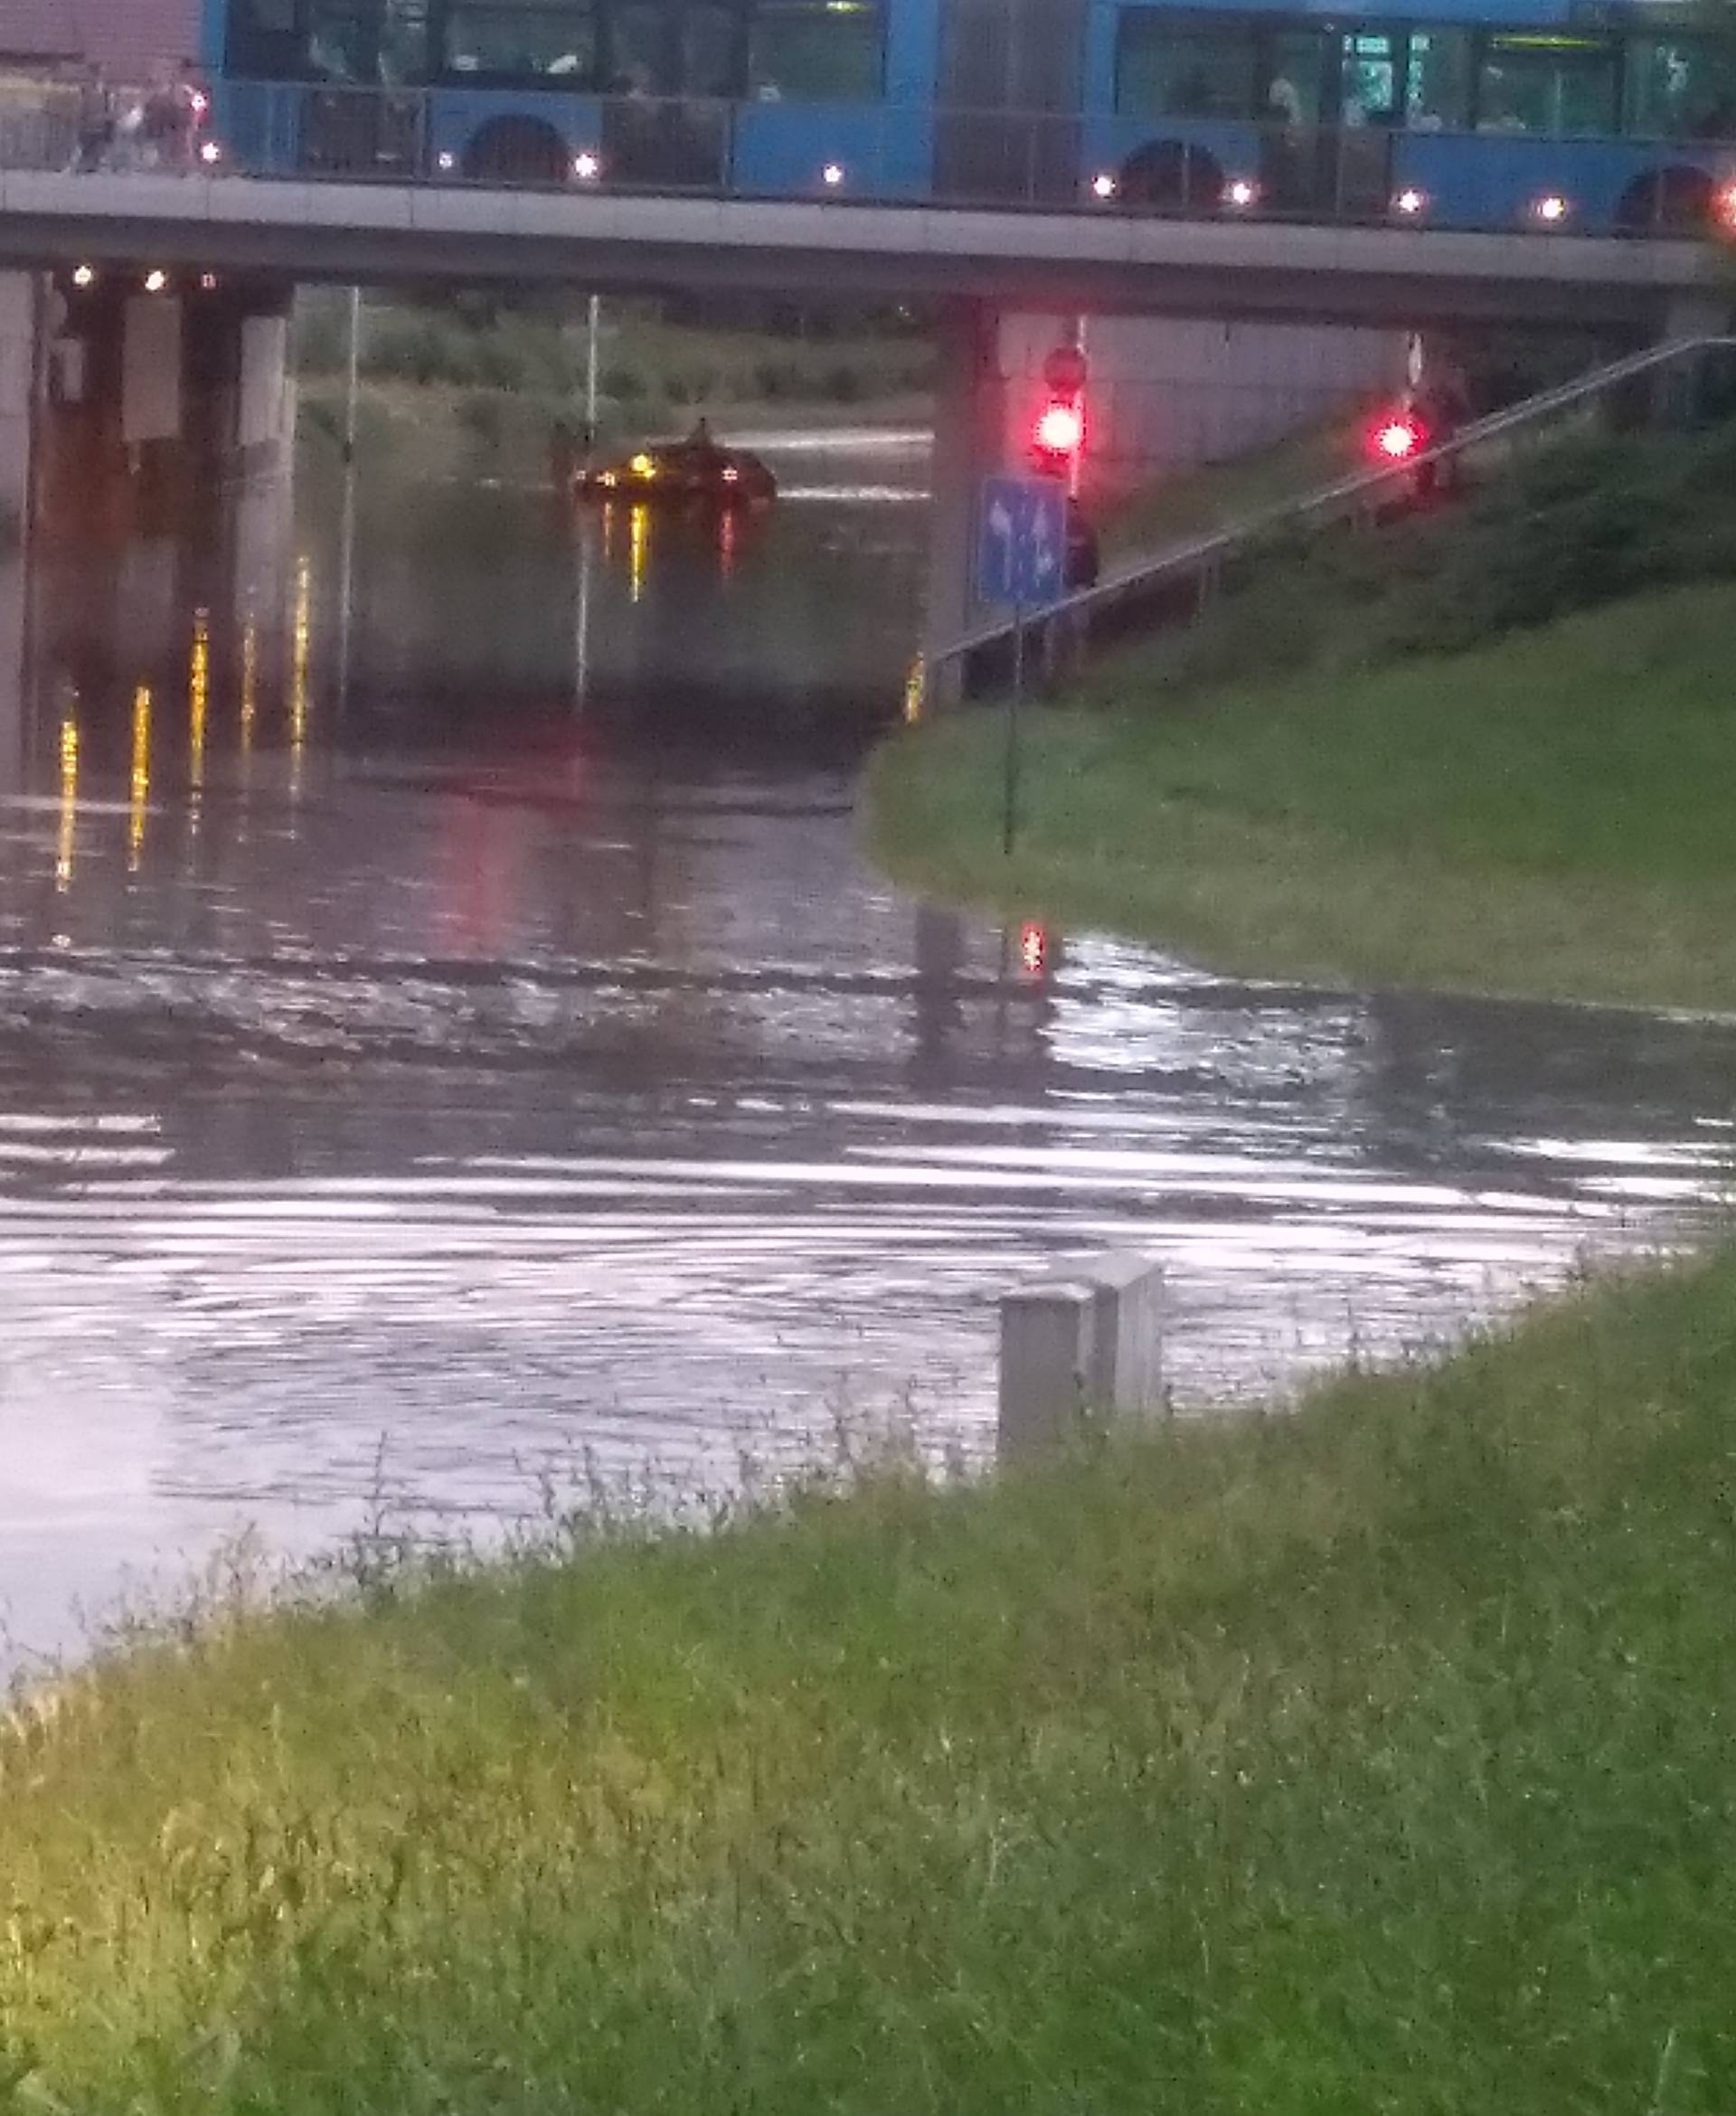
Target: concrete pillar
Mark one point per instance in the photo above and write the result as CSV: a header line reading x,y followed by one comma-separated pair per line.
x,y
1084,1342
970,422
156,399
20,366
14,693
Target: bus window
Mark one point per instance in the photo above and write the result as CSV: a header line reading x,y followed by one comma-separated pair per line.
x,y
1293,77
1181,66
521,40
403,42
1681,88
818,52
1438,80
1370,83
1544,83
709,59
264,40
340,40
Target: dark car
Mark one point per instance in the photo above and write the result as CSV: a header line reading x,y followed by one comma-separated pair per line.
x,y
697,471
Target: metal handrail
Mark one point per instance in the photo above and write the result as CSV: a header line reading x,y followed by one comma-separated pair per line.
x,y
1344,494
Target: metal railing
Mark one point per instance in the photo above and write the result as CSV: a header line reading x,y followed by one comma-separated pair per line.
x,y
1173,585
888,153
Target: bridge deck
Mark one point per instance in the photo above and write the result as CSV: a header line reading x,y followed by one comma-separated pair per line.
x,y
377,232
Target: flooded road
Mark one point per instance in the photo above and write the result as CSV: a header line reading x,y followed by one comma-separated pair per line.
x,y
451,1047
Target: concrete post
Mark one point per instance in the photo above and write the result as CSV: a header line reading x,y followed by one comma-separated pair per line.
x,y
1048,1362
1085,1343
970,421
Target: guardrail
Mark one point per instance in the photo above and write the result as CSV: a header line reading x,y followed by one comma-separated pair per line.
x,y
1171,585
556,135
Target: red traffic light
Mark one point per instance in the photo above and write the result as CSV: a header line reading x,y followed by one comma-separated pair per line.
x,y
1033,949
1396,438
1061,427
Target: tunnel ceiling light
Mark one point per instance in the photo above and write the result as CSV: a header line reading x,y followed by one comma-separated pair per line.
x,y
1410,202
1104,185
587,166
1240,193
1551,209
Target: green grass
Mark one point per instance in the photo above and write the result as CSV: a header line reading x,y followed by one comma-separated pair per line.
x,y
1376,1759
1483,748
1210,495
1550,815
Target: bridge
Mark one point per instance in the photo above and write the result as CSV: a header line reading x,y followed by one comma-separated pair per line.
x,y
180,331
1024,259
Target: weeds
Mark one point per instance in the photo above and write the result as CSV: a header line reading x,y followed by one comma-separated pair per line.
x,y
1371,1759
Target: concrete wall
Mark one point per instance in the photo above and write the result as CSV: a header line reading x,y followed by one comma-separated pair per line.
x,y
1167,394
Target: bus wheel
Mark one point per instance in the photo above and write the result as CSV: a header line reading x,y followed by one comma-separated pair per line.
x,y
516,150
1678,198
1168,176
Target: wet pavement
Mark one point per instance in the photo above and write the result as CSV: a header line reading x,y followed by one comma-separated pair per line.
x,y
451,1049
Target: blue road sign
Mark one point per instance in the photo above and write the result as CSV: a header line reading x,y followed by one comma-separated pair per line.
x,y
1022,545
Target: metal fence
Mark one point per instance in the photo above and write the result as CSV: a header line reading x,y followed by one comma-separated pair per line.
x,y
53,122
1175,584
886,152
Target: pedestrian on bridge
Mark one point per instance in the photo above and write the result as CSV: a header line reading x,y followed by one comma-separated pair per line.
x,y
95,123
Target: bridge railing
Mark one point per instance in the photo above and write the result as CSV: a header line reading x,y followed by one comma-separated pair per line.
x,y
1173,585
767,146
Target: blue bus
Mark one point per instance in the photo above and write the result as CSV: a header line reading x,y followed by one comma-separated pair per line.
x,y
1499,113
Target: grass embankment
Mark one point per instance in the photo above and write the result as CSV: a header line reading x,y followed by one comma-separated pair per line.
x,y
1373,1759
1192,502
1486,750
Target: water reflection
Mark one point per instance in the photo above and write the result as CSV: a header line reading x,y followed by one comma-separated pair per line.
x,y
502,1081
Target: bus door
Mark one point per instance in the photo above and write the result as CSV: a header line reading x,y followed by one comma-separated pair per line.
x,y
1370,77
1297,114
676,66
1010,91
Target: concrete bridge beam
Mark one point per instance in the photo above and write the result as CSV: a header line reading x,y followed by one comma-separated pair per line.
x,y
153,399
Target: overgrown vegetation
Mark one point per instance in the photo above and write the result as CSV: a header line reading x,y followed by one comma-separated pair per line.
x,y
1573,523
1482,749
1374,1758
652,369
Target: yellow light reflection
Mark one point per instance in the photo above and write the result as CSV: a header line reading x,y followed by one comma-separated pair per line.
x,y
140,799
67,847
916,691
300,652
199,698
639,551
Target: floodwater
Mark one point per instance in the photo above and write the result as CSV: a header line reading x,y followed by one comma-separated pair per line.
x,y
450,1049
